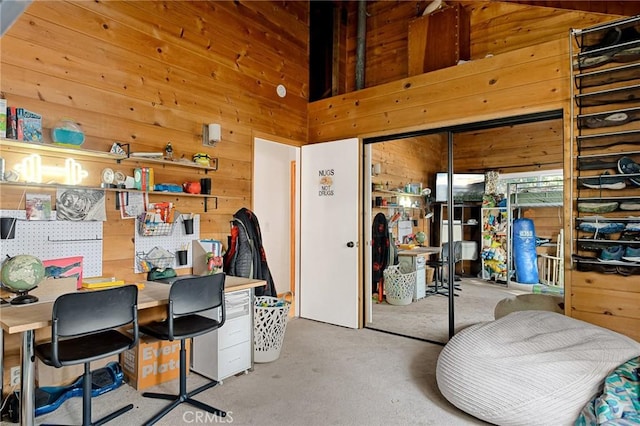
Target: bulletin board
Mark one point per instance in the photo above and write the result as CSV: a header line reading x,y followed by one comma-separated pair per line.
x,y
177,240
55,239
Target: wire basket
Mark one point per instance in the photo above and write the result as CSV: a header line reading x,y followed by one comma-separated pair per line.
x,y
270,322
156,258
399,287
155,229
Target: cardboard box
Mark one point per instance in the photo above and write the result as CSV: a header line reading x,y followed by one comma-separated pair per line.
x,y
152,362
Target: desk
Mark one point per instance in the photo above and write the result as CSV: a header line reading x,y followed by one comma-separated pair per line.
x,y
415,260
26,319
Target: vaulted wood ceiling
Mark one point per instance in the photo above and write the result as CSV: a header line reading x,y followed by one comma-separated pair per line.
x,y
624,8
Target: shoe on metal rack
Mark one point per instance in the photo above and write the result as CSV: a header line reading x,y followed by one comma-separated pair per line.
x,y
630,205
604,181
601,227
604,207
627,55
611,253
592,61
629,167
630,236
611,37
632,254
632,226
614,119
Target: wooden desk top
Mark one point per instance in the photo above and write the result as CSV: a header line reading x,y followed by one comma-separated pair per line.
x,y
19,318
420,251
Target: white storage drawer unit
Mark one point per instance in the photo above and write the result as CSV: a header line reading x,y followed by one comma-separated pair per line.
x,y
415,263
228,350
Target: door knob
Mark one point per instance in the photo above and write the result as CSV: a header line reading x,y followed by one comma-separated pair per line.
x,y
350,244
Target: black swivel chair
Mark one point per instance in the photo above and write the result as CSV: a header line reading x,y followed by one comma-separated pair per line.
x,y
440,266
187,297
84,329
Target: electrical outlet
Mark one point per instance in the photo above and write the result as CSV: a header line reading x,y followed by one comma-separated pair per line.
x,y
15,376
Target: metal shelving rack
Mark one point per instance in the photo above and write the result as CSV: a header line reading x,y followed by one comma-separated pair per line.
x,y
605,126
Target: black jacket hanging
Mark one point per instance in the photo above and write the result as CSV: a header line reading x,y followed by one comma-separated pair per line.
x,y
246,256
380,248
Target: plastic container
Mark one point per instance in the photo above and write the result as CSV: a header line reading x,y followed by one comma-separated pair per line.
x,y
67,132
399,287
270,322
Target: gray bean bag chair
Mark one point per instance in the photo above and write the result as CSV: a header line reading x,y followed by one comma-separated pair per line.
x,y
529,367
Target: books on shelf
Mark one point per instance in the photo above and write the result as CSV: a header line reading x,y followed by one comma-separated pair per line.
x,y
21,124
12,123
143,178
31,125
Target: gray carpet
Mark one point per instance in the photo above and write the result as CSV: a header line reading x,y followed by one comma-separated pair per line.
x,y
428,318
326,375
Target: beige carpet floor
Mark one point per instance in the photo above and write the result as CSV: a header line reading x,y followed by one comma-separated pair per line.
x,y
326,375
428,318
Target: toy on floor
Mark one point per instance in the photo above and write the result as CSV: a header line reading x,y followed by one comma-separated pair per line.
x,y
104,379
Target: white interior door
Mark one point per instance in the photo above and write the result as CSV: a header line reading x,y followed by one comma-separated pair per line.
x,y
329,238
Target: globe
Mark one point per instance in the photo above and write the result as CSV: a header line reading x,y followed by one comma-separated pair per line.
x,y
20,274
421,237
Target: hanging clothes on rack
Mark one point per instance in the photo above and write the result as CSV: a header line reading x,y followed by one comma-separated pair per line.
x,y
380,253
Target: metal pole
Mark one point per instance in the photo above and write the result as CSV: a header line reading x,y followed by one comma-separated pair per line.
x,y
27,384
450,203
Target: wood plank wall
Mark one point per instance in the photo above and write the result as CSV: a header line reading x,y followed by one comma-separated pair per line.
x,y
492,88
528,72
496,28
150,72
409,160
146,73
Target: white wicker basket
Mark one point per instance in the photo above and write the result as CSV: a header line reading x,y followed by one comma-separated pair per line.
x,y
270,322
399,287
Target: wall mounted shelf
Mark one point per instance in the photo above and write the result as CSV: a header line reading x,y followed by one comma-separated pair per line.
x,y
55,150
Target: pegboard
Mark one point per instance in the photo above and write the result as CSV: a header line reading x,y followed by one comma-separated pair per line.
x,y
176,241
53,239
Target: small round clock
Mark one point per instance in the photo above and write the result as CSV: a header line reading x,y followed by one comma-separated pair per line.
x,y
108,177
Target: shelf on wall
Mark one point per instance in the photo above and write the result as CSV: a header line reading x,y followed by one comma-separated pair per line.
x,y
177,163
52,186
383,193
20,146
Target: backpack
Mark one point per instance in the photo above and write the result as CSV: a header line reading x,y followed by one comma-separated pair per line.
x,y
246,256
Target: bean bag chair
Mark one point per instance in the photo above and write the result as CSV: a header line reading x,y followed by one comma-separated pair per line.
x,y
529,302
530,367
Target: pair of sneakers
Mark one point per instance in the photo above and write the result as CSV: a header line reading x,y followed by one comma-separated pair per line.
x,y
629,167
619,252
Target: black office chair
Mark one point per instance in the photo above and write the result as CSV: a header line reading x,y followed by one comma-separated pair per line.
x,y
187,297
84,329
441,264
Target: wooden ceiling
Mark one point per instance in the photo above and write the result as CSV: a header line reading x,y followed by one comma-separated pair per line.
x,y
609,7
